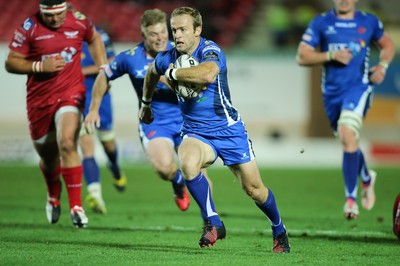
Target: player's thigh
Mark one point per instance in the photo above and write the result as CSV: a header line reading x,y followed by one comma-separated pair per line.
x,y
68,122
161,152
196,153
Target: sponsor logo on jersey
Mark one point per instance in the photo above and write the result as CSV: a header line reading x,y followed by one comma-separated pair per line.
x,y
306,37
68,53
211,55
361,30
151,134
245,156
113,65
71,34
345,24
15,44
337,46
331,30
108,69
44,37
28,23
79,15
211,47
380,24
19,37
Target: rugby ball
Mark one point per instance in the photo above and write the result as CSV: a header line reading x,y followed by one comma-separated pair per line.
x,y
185,89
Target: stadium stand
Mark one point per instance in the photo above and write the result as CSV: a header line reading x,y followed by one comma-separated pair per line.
x,y
223,20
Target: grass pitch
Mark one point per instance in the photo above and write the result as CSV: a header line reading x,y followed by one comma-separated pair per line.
x,y
144,227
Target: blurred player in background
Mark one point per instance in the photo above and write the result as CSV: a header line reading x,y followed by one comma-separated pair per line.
x,y
396,216
212,127
343,37
105,133
161,138
47,47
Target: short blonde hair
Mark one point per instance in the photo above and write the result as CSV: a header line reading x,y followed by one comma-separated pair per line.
x,y
152,17
194,13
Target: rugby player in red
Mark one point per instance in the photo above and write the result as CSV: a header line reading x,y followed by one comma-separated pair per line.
x,y
47,47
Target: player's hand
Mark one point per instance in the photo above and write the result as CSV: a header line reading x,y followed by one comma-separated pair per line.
x,y
378,73
343,56
92,120
146,114
53,64
170,82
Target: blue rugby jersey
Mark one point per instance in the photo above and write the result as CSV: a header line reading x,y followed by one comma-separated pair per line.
x,y
212,109
333,34
135,63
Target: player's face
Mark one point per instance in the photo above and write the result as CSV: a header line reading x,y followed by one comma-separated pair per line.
x,y
156,38
344,6
186,38
54,20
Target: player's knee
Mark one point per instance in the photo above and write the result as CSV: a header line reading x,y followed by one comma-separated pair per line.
x,y
67,145
189,169
165,171
351,120
106,136
254,192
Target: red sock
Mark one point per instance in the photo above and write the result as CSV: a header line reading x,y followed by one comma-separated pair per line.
x,y
73,181
52,179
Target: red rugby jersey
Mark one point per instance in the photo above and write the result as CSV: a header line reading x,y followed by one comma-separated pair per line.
x,y
36,42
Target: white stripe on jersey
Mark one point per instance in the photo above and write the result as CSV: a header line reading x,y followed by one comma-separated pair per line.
x,y
224,101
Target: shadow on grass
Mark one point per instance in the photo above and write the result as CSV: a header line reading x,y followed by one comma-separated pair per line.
x,y
339,236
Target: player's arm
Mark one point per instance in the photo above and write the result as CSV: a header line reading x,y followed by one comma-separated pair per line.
x,y
387,52
309,56
97,49
17,63
204,73
93,69
100,87
149,85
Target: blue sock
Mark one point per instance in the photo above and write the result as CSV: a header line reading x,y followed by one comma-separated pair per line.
x,y
270,209
363,172
350,171
91,170
178,179
200,191
113,163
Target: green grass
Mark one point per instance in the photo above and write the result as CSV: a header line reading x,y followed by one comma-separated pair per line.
x,y
144,227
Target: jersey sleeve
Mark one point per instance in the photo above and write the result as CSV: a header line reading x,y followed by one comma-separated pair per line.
x,y
162,61
312,34
377,27
211,53
88,25
118,66
21,40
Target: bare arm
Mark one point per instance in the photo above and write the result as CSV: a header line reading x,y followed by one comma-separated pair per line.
x,y
100,87
97,49
203,74
387,52
150,82
308,56
93,69
17,63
